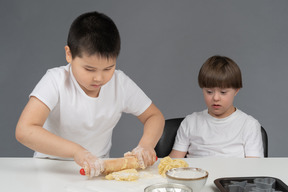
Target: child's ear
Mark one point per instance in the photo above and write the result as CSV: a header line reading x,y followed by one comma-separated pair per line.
x,y
237,90
68,54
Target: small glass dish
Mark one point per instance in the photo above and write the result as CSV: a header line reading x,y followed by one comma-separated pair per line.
x,y
167,187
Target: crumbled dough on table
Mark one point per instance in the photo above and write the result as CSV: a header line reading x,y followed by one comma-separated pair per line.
x,y
124,175
167,163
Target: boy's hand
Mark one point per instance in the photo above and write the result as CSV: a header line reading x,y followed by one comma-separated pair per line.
x,y
92,165
146,156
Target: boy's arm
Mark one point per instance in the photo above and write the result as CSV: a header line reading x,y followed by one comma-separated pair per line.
x,y
30,132
177,154
153,122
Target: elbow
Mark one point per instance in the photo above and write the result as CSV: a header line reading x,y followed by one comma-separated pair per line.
x,y
20,134
159,117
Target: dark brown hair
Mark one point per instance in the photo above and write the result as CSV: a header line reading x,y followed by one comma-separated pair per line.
x,y
220,71
94,33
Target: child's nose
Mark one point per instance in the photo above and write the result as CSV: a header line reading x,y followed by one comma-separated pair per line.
x,y
97,77
216,96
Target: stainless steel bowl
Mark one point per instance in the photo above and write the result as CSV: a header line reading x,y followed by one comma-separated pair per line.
x,y
167,187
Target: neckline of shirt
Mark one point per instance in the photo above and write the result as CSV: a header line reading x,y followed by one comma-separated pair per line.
x,y
220,120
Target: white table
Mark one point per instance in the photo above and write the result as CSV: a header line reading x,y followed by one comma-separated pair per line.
x,y
30,174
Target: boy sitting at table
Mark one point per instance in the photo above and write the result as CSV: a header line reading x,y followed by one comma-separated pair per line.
x,y
222,129
74,108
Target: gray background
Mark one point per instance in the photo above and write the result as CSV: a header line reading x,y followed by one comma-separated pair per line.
x,y
164,43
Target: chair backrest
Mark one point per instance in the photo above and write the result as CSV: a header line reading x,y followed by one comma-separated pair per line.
x,y
166,142
265,141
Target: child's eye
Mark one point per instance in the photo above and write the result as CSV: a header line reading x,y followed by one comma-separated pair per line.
x,y
209,92
108,69
87,69
223,92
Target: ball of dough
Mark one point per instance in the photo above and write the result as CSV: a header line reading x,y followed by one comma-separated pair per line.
x,y
167,163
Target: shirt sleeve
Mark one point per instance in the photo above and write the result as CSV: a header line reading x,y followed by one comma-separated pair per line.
x,y
182,140
135,101
253,144
47,90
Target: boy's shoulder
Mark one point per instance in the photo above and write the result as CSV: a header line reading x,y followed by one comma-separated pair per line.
x,y
196,115
60,69
59,72
120,76
119,73
246,116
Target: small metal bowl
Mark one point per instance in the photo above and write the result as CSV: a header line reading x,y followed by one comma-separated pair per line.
x,y
167,187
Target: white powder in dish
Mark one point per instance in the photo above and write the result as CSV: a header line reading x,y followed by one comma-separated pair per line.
x,y
188,174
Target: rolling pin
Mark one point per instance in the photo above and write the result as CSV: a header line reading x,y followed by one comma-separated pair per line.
x,y
118,164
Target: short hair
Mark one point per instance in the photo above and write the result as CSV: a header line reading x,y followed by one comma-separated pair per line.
x,y
220,71
94,33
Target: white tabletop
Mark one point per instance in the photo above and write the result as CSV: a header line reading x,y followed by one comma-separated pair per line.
x,y
30,174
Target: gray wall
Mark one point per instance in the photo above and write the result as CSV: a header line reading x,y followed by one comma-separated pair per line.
x,y
164,43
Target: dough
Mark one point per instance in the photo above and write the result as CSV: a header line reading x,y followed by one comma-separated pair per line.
x,y
124,175
168,163
119,164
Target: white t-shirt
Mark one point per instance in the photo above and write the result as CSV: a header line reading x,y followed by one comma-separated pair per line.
x,y
82,119
202,135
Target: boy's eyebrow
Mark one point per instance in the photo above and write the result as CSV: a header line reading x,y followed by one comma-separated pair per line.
x,y
90,67
110,66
